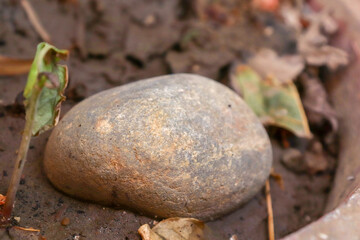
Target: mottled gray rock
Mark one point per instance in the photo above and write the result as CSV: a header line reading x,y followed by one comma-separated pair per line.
x,y
178,145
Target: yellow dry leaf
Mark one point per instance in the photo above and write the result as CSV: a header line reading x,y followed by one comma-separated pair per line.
x,y
177,229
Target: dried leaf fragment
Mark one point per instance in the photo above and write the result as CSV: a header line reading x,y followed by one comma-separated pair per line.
x,y
316,102
274,103
177,229
285,68
14,66
313,43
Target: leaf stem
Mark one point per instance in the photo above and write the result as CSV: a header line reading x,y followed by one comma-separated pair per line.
x,y
5,214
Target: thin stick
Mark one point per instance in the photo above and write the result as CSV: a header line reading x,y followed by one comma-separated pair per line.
x,y
35,21
20,159
14,66
270,211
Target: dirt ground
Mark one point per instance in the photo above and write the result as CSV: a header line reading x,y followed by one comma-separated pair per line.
x,y
116,42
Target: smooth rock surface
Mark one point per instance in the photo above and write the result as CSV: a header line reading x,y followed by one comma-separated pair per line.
x,y
173,146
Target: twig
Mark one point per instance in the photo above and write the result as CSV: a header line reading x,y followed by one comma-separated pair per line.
x,y
278,178
80,31
270,211
35,20
14,66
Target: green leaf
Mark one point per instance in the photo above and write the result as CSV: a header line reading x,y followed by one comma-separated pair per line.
x,y
45,87
274,103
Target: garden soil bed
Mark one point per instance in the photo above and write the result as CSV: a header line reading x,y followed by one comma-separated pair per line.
x,y
116,42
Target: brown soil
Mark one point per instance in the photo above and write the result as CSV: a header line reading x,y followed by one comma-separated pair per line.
x,y
115,42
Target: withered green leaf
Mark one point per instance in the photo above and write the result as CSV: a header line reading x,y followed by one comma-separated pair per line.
x,y
47,81
274,103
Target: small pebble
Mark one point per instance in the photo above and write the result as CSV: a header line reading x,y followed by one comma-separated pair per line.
x,y
350,178
293,159
315,162
323,236
150,20
65,221
234,237
269,31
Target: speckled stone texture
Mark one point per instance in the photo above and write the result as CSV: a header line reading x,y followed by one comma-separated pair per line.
x,y
173,146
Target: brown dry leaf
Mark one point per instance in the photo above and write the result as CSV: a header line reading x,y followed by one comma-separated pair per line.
x,y
285,68
291,16
315,101
14,66
312,44
205,63
177,229
2,199
332,57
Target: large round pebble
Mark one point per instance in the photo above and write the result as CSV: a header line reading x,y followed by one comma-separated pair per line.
x,y
179,145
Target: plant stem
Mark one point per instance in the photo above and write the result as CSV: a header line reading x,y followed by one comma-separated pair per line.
x,y
20,159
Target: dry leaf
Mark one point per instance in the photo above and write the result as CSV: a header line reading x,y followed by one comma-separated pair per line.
x,y
14,66
177,229
268,64
312,44
291,16
316,104
332,57
274,103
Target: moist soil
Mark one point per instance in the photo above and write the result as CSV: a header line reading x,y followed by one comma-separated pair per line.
x,y
116,42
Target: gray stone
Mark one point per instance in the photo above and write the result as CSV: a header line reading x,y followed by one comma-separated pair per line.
x,y
173,146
